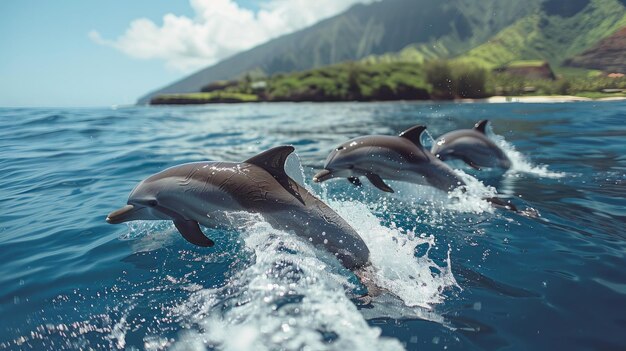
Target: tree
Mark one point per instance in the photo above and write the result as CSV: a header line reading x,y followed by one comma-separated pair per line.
x,y
470,81
354,85
439,76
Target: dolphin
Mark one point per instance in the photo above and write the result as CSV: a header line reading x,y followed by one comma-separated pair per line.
x,y
472,146
379,157
400,158
195,194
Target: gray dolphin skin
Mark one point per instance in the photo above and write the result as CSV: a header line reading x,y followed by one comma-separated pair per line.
x,y
471,146
200,193
379,157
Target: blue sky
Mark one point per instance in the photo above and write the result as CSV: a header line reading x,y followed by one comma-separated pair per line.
x,y
49,58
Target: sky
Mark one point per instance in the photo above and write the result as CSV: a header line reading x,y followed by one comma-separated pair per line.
x,y
77,53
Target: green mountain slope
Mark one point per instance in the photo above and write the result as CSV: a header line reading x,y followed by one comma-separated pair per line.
x,y
554,34
433,28
608,55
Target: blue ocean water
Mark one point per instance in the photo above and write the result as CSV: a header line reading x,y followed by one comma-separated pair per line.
x,y
464,276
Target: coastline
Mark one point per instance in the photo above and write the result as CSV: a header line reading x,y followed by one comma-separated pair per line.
x,y
498,99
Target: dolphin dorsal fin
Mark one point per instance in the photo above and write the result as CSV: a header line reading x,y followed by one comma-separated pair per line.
x,y
414,134
273,161
481,126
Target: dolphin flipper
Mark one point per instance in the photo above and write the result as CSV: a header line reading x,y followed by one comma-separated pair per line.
x,y
355,181
378,182
190,230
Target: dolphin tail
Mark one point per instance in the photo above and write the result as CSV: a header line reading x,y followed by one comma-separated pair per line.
x,y
526,212
367,276
500,203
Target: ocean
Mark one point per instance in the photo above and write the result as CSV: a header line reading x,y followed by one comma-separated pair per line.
x,y
462,275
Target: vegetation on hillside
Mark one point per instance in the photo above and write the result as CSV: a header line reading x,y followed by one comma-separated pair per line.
x,y
350,82
608,55
549,36
358,81
448,81
203,98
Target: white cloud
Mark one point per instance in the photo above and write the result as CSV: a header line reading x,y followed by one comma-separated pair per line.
x,y
220,28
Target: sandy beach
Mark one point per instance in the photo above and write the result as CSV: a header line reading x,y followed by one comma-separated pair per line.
x,y
540,99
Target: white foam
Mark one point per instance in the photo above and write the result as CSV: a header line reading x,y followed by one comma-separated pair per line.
x,y
520,163
287,299
293,167
438,204
392,253
471,197
117,336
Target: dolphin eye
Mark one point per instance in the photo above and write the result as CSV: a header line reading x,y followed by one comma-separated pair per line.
x,y
340,148
152,203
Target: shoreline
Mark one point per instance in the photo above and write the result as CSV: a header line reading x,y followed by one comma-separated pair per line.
x,y
498,99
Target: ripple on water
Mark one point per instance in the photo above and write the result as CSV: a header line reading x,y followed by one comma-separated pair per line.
x,y
462,274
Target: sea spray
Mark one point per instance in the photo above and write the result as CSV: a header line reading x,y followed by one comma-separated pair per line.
x,y
287,299
520,163
393,255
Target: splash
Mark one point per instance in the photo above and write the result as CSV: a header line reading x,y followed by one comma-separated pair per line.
x,y
436,204
471,197
392,253
139,232
520,163
288,299
294,295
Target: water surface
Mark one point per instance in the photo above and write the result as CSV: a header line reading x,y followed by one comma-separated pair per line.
x,y
465,276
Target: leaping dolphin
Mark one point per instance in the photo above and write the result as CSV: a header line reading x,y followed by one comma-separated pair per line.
x,y
379,157
400,158
196,194
472,146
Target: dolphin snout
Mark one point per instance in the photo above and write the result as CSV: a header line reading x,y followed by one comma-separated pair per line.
x,y
121,215
322,176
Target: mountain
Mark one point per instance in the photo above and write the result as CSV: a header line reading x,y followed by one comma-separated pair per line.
x,y
432,28
608,55
561,30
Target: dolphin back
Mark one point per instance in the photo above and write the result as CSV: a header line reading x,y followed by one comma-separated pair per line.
x,y
472,147
289,206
